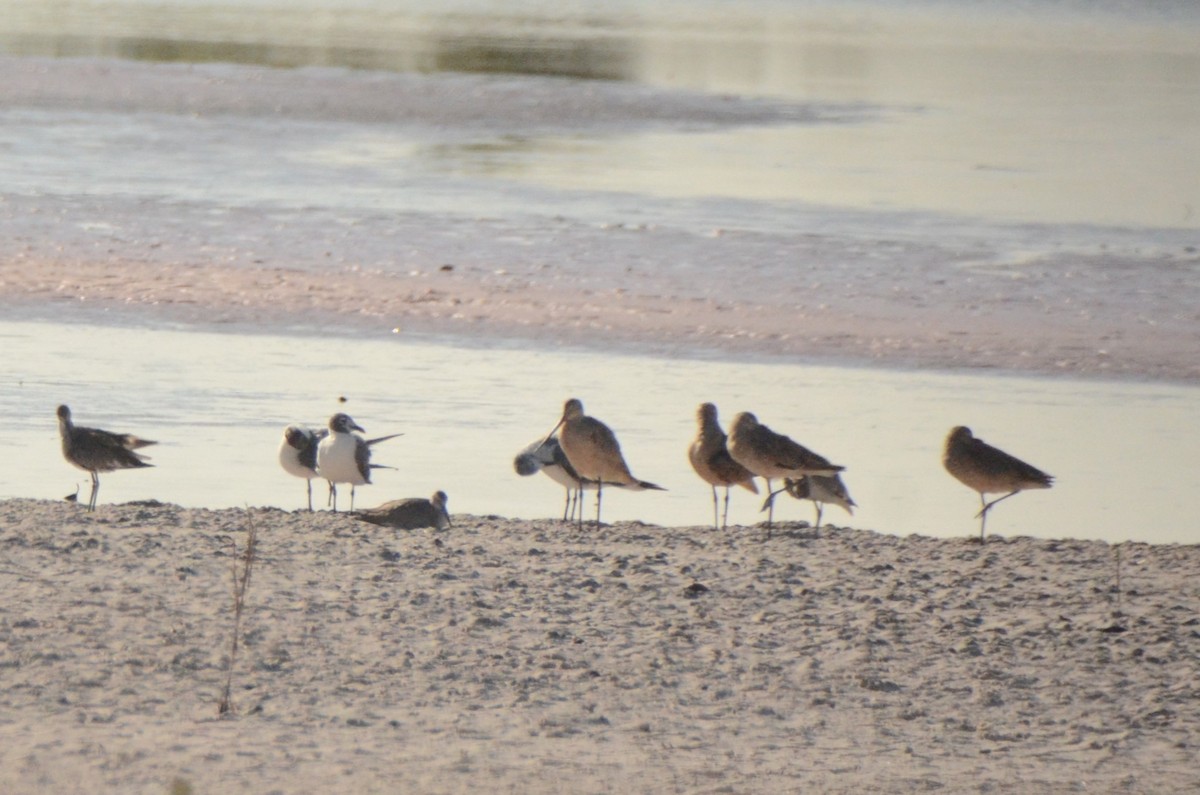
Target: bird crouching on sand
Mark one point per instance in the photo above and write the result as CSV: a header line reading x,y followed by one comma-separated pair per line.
x,y
94,450
345,457
988,470
411,513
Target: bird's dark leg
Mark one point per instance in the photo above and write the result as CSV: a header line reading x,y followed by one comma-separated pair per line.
x,y
820,510
333,495
351,498
599,491
725,517
309,482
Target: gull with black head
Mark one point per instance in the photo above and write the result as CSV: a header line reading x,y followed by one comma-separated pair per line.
x,y
298,453
345,457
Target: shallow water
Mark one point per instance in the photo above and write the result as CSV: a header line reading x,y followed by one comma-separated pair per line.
x,y
1123,453
1039,112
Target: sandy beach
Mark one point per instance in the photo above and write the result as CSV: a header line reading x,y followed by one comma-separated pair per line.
x,y
534,657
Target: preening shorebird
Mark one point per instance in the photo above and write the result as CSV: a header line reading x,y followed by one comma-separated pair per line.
x,y
989,470
821,489
773,455
96,451
298,453
711,459
546,455
593,450
345,457
411,513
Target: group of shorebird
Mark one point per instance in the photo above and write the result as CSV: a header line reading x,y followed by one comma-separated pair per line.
x,y
582,453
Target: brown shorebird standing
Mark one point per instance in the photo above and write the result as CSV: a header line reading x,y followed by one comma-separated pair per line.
x,y
411,513
96,451
712,461
987,469
593,451
821,489
773,455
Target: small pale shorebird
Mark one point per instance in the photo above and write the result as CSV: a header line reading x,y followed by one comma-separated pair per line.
x,y
821,489
96,451
987,469
712,462
411,513
344,457
298,453
592,449
773,455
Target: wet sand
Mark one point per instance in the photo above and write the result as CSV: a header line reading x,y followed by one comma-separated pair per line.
x,y
533,657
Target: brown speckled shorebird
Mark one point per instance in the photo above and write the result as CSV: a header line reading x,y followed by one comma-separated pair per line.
x,y
773,455
821,489
96,451
594,452
712,462
411,513
987,469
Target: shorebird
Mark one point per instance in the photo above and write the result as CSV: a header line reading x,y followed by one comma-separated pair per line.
x,y
987,469
712,462
343,457
821,489
298,453
96,451
592,449
773,455
411,513
546,455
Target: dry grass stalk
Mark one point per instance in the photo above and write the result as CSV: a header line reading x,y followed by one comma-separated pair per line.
x,y
240,568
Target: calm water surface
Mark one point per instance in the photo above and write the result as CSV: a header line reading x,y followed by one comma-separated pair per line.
x,y
1046,112
1124,454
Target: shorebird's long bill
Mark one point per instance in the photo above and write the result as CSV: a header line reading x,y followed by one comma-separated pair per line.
x,y
554,429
